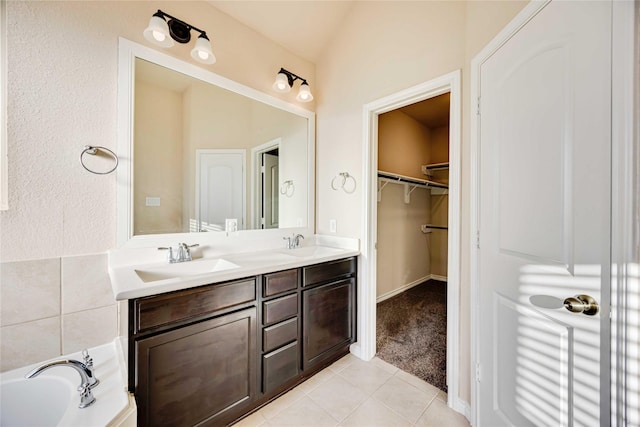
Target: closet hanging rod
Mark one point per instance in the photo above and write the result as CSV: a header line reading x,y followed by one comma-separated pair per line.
x,y
392,177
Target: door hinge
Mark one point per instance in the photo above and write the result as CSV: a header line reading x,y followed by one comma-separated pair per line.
x,y
478,107
477,372
262,169
478,239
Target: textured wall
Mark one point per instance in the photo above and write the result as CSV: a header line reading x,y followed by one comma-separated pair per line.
x,y
62,83
62,96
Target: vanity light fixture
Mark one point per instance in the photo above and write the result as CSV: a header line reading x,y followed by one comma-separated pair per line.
x,y
284,81
163,34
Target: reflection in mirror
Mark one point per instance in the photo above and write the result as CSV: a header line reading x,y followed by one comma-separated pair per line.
x,y
209,159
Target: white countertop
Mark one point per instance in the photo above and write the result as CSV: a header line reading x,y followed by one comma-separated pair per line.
x,y
142,272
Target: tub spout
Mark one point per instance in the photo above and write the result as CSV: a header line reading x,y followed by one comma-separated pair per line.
x,y
86,377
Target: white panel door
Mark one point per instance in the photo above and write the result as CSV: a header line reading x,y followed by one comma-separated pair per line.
x,y
545,220
219,188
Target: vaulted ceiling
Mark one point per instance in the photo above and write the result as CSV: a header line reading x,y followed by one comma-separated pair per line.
x,y
302,27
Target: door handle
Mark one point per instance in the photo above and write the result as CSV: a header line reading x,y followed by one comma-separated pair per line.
x,y
582,304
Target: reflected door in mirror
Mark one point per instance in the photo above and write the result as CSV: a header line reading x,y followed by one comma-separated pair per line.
x,y
219,189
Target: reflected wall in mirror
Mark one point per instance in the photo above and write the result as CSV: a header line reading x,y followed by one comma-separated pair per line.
x,y
206,158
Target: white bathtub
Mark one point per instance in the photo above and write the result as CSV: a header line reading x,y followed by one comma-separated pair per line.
x,y
51,398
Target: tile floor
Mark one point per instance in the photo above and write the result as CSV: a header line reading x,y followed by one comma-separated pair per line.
x,y
352,392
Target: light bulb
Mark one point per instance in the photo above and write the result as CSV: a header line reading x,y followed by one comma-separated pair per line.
x,y
282,83
202,51
304,94
158,36
158,31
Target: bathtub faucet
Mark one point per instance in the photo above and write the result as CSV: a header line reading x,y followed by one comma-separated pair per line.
x,y
86,376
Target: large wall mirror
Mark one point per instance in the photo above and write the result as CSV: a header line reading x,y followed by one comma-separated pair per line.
x,y
201,153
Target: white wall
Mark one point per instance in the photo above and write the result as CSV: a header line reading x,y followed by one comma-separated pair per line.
x,y
382,48
62,95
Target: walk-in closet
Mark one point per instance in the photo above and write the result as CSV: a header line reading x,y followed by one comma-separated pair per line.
x,y
412,239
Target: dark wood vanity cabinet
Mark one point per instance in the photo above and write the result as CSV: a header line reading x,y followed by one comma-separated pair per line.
x,y
280,329
202,373
329,310
212,354
193,354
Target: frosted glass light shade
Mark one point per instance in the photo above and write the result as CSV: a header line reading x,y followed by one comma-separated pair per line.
x,y
282,83
304,94
202,51
158,32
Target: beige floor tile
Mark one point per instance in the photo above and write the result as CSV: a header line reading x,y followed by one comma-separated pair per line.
x,y
417,382
342,363
313,382
254,420
282,403
403,398
303,413
384,365
367,376
374,414
438,414
338,397
442,396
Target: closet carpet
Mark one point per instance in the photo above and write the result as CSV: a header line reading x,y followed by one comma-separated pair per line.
x,y
411,332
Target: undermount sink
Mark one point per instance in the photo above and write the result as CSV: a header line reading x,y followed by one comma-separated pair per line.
x,y
311,251
184,269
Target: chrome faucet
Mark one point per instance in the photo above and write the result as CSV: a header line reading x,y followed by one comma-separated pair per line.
x,y
293,241
86,377
180,254
88,362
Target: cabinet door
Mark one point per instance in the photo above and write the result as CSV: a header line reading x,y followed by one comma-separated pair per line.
x,y
202,373
328,320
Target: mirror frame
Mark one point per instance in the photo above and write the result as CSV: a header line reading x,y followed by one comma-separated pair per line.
x,y
128,51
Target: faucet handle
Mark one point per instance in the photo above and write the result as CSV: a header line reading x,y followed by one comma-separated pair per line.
x,y
170,256
88,361
86,396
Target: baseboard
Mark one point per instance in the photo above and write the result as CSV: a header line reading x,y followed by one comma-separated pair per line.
x,y
461,407
401,289
408,286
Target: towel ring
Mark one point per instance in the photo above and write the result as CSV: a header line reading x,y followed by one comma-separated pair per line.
x,y
343,184
287,188
88,149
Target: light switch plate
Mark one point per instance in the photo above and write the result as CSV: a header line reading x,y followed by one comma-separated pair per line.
x,y
333,226
152,201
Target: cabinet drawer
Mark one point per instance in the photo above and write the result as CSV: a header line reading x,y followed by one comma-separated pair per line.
x,y
279,366
279,309
277,335
276,283
161,310
328,271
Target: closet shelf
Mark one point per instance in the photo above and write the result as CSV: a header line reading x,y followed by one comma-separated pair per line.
x,y
427,228
435,166
394,178
401,179
408,181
